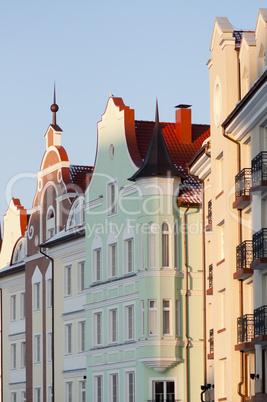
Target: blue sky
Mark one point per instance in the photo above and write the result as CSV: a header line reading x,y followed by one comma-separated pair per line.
x,y
136,50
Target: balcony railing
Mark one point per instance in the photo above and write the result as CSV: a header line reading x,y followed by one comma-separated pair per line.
x,y
210,276
245,328
242,183
259,168
211,340
260,244
260,321
244,255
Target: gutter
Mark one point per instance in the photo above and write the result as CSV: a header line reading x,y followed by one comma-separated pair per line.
x,y
186,308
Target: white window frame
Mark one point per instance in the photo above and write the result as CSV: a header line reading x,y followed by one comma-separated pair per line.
x,y
37,296
152,246
113,330
37,344
113,397
152,381
112,198
13,396
98,328
13,307
69,391
49,293
68,280
152,317
49,393
130,397
22,306
37,394
128,262
81,336
23,396
167,311
142,318
50,223
129,329
68,331
165,240
22,354
97,265
82,391
13,356
81,276
97,397
176,245
49,346
113,260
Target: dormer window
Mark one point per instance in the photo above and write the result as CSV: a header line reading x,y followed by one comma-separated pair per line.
x,y
50,223
76,216
19,252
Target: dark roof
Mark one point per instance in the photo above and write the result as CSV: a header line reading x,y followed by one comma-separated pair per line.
x,y
157,160
80,175
64,236
56,127
238,37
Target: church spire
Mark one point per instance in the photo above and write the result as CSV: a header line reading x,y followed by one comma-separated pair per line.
x,y
54,108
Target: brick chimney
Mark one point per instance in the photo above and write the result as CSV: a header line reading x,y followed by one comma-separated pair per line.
x,y
183,123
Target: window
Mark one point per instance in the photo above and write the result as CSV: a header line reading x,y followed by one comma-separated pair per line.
x,y
13,397
163,390
22,305
165,245
13,356
113,328
19,253
82,391
220,243
114,389
221,307
37,296
129,327
23,396
112,198
130,387
153,325
68,339
50,223
68,392
219,173
222,376
81,336
68,281
152,246
81,276
97,264
37,349
98,389
76,216
129,260
98,329
37,395
49,346
112,260
177,314
13,308
166,317
49,393
23,354
176,246
142,318
49,295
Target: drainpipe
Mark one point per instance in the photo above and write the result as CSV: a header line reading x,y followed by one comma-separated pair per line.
x,y
53,319
186,308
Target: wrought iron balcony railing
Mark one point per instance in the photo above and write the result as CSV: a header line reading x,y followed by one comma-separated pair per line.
x,y
211,340
245,328
260,321
210,212
242,183
260,244
210,276
244,255
259,168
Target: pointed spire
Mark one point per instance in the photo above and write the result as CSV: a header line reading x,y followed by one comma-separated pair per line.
x,y
157,162
54,108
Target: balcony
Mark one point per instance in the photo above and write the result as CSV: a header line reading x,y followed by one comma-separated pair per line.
x,y
259,249
245,332
260,325
244,257
259,172
210,279
211,341
209,225
242,188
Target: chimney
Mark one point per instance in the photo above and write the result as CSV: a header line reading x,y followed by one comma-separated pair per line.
x,y
183,123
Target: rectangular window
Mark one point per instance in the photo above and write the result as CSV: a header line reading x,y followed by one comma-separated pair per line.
x,y
37,349
23,354
98,328
112,260
49,393
22,305
114,389
220,241
130,387
166,317
68,281
68,339
113,328
68,392
222,376
153,324
49,295
82,391
98,389
129,260
142,318
13,308
49,346
112,198
37,395
129,327
163,390
23,396
81,276
81,336
13,397
97,265
37,296
152,247
219,173
221,309
177,315
13,356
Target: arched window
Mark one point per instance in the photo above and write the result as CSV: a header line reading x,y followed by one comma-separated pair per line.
x,y
19,252
50,223
152,246
76,216
165,245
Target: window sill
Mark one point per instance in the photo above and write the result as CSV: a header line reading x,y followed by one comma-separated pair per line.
x,y
221,330
220,262
219,195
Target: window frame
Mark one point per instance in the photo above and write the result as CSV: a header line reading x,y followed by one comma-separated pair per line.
x,y
81,336
49,293
111,325
37,296
167,310
50,222
82,391
13,356
128,330
22,305
112,198
112,397
97,265
129,397
37,351
152,247
69,391
97,397
68,339
68,291
165,244
152,311
128,262
113,260
98,329
81,276
13,307
22,354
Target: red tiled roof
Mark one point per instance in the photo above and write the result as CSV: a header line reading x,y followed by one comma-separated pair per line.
x,y
180,153
81,175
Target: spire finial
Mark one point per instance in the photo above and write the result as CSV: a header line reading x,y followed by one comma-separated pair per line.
x,y
157,112
54,108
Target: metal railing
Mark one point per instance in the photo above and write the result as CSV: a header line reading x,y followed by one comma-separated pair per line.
x,y
244,255
211,340
260,244
259,167
210,276
245,328
242,183
260,321
210,212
